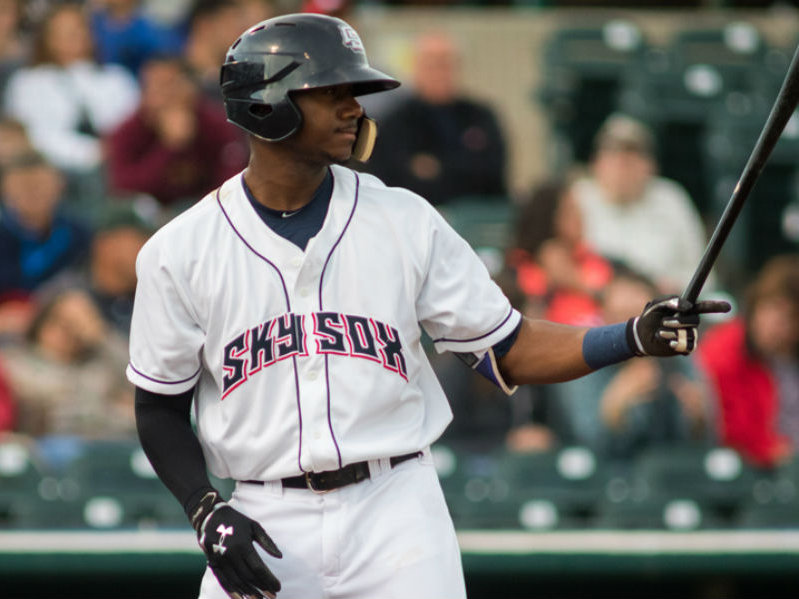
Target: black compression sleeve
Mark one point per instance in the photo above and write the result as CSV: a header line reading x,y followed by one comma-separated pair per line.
x,y
164,426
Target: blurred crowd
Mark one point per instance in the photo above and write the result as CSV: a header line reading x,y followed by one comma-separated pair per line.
x,y
111,123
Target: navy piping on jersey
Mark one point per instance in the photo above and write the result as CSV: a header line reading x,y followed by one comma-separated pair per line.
x,y
321,282
496,328
288,308
149,378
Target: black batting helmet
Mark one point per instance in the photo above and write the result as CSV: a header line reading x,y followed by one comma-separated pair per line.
x,y
286,54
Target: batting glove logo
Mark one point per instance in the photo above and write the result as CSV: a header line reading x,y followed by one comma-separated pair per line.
x,y
227,538
224,531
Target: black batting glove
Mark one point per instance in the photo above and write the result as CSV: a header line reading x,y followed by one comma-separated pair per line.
x,y
668,325
226,537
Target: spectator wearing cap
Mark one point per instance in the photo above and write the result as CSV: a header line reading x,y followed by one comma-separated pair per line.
x,y
630,213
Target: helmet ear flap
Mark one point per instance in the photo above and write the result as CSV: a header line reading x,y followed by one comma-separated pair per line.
x,y
270,122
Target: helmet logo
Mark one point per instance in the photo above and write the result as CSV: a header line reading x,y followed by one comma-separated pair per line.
x,y
350,39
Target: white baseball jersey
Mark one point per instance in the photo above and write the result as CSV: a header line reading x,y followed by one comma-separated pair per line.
x,y
310,360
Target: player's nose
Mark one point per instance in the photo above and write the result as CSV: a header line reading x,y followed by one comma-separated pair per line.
x,y
351,108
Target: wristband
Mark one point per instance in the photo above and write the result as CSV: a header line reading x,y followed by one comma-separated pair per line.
x,y
603,346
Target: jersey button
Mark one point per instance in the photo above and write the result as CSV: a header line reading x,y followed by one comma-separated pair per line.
x,y
296,262
305,292
312,376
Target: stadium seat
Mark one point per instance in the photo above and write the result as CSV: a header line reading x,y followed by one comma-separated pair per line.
x,y
657,513
731,133
485,222
739,49
695,73
29,491
583,66
114,486
674,101
536,491
716,478
775,499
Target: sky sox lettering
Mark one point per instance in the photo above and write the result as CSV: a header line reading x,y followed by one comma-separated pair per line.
x,y
333,333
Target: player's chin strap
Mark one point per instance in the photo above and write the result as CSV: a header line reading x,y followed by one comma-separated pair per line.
x,y
364,139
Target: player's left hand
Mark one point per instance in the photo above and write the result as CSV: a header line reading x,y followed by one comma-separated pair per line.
x,y
227,536
668,325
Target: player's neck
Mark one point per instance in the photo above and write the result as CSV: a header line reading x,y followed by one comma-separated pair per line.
x,y
283,186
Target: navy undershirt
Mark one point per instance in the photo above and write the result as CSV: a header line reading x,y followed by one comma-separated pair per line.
x,y
298,226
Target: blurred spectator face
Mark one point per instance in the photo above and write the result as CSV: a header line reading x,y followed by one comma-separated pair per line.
x,y
9,20
623,163
69,328
436,68
624,297
13,140
568,220
113,260
32,194
66,37
164,86
623,174
774,326
773,308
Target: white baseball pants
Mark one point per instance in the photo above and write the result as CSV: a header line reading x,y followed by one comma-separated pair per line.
x,y
387,537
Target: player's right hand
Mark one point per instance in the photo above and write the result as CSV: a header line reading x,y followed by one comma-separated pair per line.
x,y
668,325
227,536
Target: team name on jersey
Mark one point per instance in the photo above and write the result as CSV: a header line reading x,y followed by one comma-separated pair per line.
x,y
285,336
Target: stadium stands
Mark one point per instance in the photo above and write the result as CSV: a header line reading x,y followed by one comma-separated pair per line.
x,y
107,485
705,91
583,67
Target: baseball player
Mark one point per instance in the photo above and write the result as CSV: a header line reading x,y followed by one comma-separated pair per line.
x,y
287,306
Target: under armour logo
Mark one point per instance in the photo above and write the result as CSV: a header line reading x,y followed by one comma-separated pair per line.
x,y
224,531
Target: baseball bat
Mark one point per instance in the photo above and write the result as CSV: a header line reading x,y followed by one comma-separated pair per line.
x,y
782,110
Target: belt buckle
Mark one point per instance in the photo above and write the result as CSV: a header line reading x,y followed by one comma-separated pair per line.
x,y
309,484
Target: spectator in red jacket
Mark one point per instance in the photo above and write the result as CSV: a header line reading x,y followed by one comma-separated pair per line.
x,y
753,363
177,146
560,274
8,406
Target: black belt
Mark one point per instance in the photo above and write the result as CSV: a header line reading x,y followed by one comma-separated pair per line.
x,y
321,482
